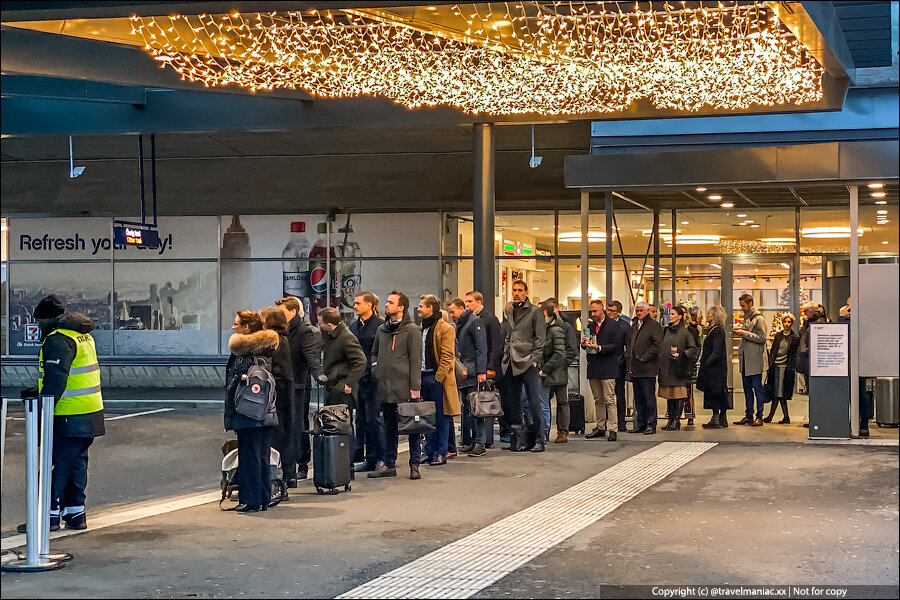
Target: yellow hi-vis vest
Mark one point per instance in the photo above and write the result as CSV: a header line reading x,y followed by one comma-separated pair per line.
x,y
82,393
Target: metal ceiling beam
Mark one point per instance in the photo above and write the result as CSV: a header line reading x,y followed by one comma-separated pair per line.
x,y
631,201
744,197
798,197
49,88
697,200
732,167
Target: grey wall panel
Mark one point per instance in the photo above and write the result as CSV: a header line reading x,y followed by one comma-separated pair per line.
x,y
879,329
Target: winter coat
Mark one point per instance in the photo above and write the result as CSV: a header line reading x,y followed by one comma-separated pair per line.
x,y
712,376
244,349
572,341
611,337
495,335
472,347
365,333
694,328
397,361
345,364
643,348
306,350
524,343
803,347
553,358
445,374
790,371
58,353
677,371
752,351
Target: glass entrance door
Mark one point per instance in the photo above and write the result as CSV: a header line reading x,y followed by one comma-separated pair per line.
x,y
772,282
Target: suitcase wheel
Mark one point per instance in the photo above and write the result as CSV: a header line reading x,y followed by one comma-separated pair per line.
x,y
347,488
334,492
320,491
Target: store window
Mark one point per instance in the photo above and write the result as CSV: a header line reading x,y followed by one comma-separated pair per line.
x,y
745,231
4,313
827,231
84,287
879,221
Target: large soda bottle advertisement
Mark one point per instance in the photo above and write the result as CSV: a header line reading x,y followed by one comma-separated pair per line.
x,y
295,266
318,274
348,271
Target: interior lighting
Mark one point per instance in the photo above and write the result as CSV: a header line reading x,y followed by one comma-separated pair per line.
x,y
692,240
785,265
651,268
715,266
701,189
537,228
715,196
575,236
828,232
881,202
876,186
560,58
727,205
884,242
877,194
881,212
685,222
776,241
741,215
750,221
755,225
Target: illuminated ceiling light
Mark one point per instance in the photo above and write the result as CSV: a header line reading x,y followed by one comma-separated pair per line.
x,y
755,225
685,222
881,202
884,242
715,266
749,221
651,268
701,189
828,232
881,212
727,205
742,215
575,236
785,265
876,186
877,194
715,196
692,240
776,241
555,58
538,228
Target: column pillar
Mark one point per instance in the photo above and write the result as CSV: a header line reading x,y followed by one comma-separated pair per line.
x,y
484,278
609,246
656,290
854,319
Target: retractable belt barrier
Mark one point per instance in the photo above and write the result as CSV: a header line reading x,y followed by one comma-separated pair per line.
x,y
38,465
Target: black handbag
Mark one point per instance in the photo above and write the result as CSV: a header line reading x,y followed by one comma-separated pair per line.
x,y
332,420
416,417
485,401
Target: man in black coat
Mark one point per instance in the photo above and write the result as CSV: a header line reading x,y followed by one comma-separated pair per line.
x,y
475,302
605,349
614,313
306,352
642,353
369,421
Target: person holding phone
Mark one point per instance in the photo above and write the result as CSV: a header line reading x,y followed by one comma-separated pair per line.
x,y
679,353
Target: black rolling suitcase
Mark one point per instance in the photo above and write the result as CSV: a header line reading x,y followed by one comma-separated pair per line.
x,y
576,413
331,463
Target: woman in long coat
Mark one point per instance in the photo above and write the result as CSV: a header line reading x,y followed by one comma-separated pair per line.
x,y
712,376
677,353
782,369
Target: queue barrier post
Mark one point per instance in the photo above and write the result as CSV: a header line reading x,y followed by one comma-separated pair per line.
x,y
33,561
46,471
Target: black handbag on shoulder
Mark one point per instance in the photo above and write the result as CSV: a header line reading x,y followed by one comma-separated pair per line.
x,y
416,417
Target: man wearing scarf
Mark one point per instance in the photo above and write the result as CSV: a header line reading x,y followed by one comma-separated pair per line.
x,y
438,376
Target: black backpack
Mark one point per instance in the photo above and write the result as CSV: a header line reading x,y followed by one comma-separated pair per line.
x,y
255,394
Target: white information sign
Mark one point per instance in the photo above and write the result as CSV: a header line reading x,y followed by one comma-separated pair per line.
x,y
829,350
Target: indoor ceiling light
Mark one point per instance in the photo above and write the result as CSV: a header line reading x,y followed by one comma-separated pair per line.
x,y
715,196
535,228
685,222
701,189
876,186
776,241
741,215
557,59
692,240
881,212
575,236
750,221
877,194
651,268
727,205
785,265
715,265
828,232
884,242
881,202
755,225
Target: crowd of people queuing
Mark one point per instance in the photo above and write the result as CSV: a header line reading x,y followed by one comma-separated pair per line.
x,y
376,363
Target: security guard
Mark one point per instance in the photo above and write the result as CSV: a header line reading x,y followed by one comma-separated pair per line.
x,y
70,373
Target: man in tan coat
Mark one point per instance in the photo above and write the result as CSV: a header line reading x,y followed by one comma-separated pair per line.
x,y
438,376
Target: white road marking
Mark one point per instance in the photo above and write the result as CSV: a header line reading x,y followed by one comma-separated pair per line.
x,y
467,566
140,414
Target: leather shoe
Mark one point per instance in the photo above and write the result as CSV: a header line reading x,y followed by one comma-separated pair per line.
x,y
382,471
642,430
757,423
611,437
464,449
744,421
713,424
425,460
650,431
290,483
414,472
302,474
437,461
594,434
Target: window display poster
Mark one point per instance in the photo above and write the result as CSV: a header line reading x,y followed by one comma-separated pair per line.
x,y
829,350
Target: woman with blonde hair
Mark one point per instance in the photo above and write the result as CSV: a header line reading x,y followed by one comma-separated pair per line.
x,y
782,369
712,376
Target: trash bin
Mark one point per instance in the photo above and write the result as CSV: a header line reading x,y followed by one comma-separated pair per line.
x,y
887,402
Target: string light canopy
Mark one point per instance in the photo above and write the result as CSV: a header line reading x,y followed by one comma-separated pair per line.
x,y
547,58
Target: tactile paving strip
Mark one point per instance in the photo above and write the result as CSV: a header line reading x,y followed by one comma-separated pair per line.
x,y
463,568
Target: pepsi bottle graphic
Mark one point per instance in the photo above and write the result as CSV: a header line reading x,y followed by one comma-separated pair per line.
x,y
349,272
318,274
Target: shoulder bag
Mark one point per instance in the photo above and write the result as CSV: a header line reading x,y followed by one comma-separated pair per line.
x,y
485,400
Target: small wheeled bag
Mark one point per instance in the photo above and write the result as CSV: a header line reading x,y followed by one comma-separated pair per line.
x,y
485,401
331,463
416,417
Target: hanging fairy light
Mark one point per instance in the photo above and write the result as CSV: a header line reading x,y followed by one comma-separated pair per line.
x,y
537,57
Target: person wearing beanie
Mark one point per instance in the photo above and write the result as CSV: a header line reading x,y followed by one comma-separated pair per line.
x,y
69,371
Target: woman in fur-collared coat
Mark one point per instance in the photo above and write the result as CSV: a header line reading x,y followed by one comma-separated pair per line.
x,y
250,341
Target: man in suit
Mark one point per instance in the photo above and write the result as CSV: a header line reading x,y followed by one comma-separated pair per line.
x,y
642,351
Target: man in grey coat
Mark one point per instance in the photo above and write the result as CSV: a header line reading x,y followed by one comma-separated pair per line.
x,y
397,369
752,360
523,351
